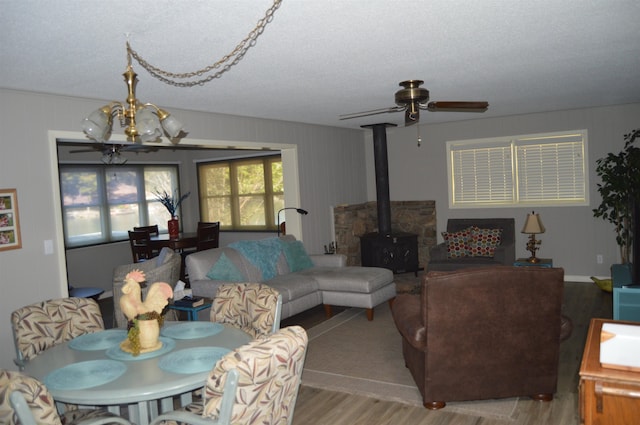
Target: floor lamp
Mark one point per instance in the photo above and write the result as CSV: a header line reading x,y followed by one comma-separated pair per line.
x,y
299,210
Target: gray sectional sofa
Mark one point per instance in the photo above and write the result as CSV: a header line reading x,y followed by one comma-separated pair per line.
x,y
304,281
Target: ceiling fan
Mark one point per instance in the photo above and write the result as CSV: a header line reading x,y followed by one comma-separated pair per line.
x,y
111,154
412,98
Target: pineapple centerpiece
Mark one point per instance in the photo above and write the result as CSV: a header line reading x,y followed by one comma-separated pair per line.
x,y
145,317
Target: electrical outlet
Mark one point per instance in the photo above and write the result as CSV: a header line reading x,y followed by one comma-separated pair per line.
x,y
599,259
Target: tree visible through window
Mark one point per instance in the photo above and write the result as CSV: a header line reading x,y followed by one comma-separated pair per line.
x,y
102,203
241,194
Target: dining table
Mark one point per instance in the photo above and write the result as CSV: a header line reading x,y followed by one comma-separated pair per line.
x,y
93,370
183,241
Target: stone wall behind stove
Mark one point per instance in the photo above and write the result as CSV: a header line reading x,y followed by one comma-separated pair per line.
x,y
353,221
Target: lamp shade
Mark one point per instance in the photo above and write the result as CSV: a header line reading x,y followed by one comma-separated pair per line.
x,y
97,125
148,126
171,126
533,224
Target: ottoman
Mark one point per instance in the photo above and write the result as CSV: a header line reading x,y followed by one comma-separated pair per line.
x,y
362,287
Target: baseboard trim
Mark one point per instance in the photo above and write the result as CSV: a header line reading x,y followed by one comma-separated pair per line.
x,y
581,279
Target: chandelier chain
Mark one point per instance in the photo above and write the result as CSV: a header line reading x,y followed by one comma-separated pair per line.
x,y
226,62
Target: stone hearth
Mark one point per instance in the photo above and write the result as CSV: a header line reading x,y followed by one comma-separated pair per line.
x,y
353,221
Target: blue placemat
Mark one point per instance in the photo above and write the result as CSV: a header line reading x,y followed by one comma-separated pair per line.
x,y
98,340
78,376
116,352
191,330
192,360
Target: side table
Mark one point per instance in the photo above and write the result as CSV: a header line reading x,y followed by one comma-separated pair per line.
x,y
607,396
192,312
544,262
85,292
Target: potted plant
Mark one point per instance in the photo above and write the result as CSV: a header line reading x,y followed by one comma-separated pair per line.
x,y
172,203
620,192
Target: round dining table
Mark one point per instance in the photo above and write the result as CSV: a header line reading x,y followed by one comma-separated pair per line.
x,y
92,370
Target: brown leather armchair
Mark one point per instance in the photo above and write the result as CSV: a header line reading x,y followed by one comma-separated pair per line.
x,y
483,333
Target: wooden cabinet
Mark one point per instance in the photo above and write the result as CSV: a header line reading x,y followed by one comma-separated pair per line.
x,y
607,396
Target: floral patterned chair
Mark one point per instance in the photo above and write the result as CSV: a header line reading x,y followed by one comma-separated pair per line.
x,y
252,307
26,401
255,384
42,325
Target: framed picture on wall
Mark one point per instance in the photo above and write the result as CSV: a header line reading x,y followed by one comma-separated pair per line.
x,y
9,222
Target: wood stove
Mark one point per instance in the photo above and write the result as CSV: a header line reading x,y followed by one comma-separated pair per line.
x,y
397,251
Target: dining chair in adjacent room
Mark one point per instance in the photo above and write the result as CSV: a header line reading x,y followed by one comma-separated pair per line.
x,y
153,230
208,235
26,401
139,242
40,326
256,383
252,307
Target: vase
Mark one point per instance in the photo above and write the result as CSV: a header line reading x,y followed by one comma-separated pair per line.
x,y
174,228
149,334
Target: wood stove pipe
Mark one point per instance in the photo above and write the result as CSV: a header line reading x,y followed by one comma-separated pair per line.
x,y
381,163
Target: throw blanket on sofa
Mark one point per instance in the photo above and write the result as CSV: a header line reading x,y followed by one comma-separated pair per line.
x,y
263,254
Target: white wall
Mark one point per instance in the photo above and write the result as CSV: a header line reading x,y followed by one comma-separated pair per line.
x,y
331,170
573,237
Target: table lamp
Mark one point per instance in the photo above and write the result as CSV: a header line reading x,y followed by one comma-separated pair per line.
x,y
532,226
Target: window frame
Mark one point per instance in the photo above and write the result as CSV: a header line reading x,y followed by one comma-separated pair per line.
x,y
496,171
269,195
143,201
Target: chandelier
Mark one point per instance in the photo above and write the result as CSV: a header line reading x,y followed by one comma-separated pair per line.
x,y
145,122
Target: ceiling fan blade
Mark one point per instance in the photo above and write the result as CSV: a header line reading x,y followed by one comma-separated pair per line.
x,y
457,106
138,148
372,112
83,150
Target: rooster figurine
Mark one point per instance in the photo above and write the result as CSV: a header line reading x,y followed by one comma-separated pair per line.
x,y
131,302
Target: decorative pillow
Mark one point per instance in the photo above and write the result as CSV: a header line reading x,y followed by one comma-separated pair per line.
x,y
483,242
225,270
296,255
263,254
457,243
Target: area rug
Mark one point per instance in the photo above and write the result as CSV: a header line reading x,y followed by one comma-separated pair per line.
x,y
347,353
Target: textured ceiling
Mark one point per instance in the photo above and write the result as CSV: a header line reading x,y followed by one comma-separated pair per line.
x,y
318,59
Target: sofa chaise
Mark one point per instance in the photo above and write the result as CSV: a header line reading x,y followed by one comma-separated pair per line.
x,y
303,280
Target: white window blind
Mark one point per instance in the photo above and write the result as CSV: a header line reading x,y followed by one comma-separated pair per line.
x,y
544,169
482,175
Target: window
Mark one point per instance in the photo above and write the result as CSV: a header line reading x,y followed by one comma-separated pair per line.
x,y
101,203
242,194
540,169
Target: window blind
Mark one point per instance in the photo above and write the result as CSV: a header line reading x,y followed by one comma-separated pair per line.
x,y
547,169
